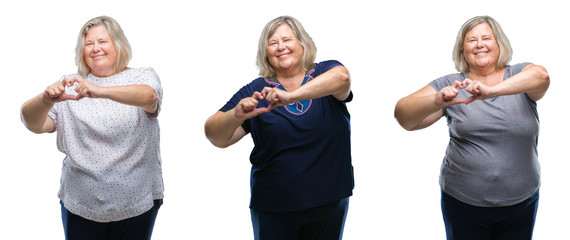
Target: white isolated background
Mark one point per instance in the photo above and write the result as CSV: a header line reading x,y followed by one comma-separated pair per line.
x,y
204,51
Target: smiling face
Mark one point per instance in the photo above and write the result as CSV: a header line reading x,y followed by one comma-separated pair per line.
x,y
99,51
284,51
480,47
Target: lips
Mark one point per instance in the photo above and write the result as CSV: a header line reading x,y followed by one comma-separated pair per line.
x,y
283,55
97,56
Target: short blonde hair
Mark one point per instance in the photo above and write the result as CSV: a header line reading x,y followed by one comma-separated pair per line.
x,y
119,39
309,48
505,50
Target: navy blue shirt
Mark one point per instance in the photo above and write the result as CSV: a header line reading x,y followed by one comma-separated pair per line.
x,y
301,158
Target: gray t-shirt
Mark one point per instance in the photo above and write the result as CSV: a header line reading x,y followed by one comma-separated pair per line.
x,y
491,159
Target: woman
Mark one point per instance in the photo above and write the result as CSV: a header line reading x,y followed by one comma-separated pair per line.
x,y
105,118
490,175
301,174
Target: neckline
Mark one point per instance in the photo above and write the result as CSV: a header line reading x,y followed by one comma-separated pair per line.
x,y
306,78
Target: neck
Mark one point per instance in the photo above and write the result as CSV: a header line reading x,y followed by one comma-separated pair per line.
x,y
483,72
489,76
103,73
291,80
284,76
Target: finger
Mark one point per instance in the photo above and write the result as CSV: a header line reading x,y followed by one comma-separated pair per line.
x,y
449,93
272,106
256,112
66,96
58,89
457,84
475,88
265,91
258,95
50,92
249,104
67,82
82,90
456,101
270,96
247,108
275,96
77,79
79,90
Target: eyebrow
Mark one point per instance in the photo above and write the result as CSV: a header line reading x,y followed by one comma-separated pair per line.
x,y
473,36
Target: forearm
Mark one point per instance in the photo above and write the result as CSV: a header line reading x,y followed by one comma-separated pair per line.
x,y
416,112
533,80
34,114
220,128
134,95
334,82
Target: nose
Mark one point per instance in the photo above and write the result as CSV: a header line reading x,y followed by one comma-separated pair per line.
x,y
281,46
480,44
96,47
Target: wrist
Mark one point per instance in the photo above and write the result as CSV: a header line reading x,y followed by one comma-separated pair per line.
x,y
235,117
296,96
101,92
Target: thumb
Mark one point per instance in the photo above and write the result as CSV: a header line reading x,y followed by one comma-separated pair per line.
x,y
256,112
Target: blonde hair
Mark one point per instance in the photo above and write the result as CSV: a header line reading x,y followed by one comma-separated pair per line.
x,y
505,50
118,38
309,48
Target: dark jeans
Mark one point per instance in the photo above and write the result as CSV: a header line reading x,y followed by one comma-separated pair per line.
x,y
321,222
135,228
466,222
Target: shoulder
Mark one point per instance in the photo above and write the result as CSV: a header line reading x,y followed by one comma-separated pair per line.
x,y
140,70
328,64
145,74
516,68
323,66
447,80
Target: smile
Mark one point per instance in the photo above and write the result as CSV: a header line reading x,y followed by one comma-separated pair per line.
x,y
283,55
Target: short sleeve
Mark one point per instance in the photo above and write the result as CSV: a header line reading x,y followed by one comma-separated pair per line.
x,y
150,78
239,95
245,91
53,114
325,66
517,68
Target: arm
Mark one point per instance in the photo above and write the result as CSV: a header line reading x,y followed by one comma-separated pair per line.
x,y
224,128
424,107
34,112
335,82
532,80
135,95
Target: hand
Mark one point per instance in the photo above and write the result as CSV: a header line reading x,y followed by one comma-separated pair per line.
x,y
85,88
56,92
247,107
447,96
277,97
478,90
